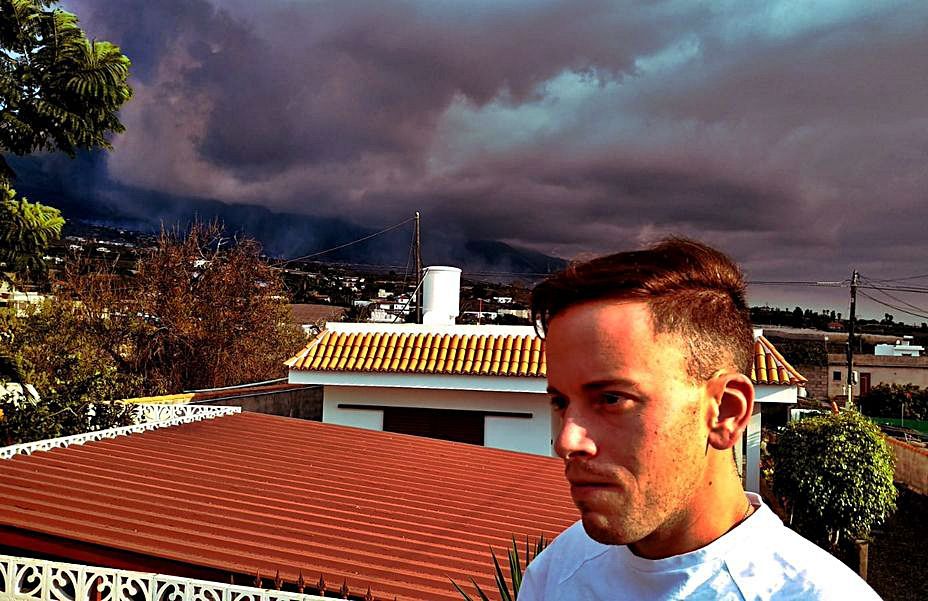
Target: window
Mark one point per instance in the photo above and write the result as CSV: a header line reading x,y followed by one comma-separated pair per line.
x,y
836,376
444,424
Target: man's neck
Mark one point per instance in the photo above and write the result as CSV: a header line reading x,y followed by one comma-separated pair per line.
x,y
712,511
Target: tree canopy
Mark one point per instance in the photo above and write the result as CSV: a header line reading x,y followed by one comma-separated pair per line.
x,y
26,230
203,310
834,474
59,90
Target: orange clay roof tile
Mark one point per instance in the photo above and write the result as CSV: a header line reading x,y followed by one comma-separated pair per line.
x,y
474,355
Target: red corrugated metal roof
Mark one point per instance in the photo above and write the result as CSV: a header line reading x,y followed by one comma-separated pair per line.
x,y
254,492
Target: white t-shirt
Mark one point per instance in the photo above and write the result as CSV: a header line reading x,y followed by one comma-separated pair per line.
x,y
759,559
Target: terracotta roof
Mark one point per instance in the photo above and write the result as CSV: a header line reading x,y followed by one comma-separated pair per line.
x,y
395,351
770,367
428,353
253,492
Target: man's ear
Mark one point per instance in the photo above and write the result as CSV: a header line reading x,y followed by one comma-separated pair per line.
x,y
732,395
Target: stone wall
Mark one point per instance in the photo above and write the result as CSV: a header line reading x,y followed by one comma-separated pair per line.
x,y
302,403
817,385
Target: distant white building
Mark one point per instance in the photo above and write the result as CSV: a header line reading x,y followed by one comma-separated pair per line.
x,y
902,348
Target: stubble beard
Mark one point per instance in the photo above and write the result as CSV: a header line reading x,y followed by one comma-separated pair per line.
x,y
629,513
624,522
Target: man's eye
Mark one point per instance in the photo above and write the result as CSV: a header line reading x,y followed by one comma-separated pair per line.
x,y
613,399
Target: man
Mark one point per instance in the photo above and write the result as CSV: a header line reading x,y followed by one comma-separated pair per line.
x,y
648,354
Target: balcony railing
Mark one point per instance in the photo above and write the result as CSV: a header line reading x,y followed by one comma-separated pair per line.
x,y
147,417
24,579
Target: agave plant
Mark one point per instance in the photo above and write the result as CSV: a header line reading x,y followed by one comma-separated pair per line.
x,y
515,571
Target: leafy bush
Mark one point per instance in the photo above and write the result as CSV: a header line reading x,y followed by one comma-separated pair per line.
x,y
22,421
890,400
834,476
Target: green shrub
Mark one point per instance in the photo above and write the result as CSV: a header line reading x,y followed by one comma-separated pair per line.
x,y
890,400
834,476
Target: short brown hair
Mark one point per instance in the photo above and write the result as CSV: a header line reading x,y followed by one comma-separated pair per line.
x,y
692,290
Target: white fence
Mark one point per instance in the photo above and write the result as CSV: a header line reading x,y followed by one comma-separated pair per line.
x,y
23,579
147,417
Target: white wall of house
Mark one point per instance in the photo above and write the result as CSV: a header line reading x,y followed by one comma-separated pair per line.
x,y
764,393
531,434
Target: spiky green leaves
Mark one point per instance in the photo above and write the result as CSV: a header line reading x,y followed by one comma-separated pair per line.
x,y
516,570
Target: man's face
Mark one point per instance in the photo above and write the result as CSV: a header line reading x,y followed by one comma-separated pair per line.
x,y
633,425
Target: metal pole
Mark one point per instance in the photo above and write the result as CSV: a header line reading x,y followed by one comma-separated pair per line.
x,y
418,293
855,280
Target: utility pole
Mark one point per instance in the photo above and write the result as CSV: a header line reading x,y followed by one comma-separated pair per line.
x,y
855,280
418,248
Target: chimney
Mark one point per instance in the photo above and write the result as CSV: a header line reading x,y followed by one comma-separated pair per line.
x,y
441,292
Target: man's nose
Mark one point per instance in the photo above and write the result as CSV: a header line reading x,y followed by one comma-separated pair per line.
x,y
573,439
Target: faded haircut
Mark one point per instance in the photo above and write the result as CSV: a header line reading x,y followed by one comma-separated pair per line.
x,y
693,291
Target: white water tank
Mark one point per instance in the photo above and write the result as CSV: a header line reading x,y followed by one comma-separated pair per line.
x,y
441,295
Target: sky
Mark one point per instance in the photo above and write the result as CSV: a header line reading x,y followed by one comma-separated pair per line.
x,y
792,134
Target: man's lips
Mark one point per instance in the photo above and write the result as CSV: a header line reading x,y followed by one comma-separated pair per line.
x,y
583,489
590,484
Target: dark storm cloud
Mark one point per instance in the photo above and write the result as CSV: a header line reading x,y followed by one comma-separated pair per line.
x,y
310,83
794,135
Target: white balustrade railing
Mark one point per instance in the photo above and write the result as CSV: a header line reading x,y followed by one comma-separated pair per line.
x,y
24,579
147,417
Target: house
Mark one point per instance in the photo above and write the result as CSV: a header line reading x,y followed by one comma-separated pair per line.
x,y
13,297
873,370
478,384
901,348
219,494
878,359
482,385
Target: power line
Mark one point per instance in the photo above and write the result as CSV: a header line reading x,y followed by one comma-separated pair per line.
x,y
894,307
821,284
913,290
908,277
508,273
903,301
347,244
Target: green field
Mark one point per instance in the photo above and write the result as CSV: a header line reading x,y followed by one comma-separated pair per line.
x,y
921,426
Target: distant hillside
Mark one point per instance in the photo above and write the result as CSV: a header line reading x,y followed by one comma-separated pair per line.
x,y
75,187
